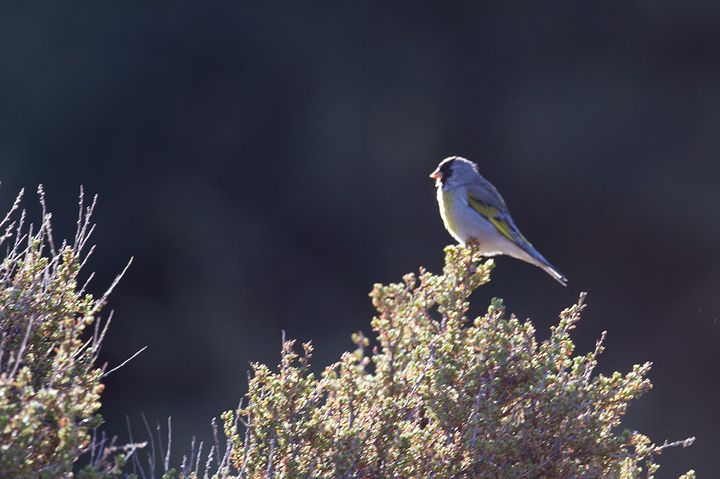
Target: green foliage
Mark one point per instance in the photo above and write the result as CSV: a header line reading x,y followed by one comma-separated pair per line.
x,y
447,397
49,386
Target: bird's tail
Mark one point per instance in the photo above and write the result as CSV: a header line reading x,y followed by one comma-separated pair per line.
x,y
554,273
538,260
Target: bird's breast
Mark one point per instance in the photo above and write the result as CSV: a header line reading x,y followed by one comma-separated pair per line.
x,y
464,223
446,200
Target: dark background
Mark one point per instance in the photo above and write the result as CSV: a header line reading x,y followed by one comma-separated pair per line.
x,y
266,164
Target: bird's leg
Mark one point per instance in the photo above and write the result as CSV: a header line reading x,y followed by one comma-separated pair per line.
x,y
474,246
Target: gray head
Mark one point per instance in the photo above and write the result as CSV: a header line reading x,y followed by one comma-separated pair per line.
x,y
455,171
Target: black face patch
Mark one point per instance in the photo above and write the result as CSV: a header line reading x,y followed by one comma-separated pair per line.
x,y
446,170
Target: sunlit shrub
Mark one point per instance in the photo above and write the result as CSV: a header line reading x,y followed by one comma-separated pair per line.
x,y
443,396
49,383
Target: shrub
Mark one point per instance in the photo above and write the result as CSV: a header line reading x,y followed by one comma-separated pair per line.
x,y
439,397
49,384
443,397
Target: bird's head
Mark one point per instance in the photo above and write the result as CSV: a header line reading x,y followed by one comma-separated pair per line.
x,y
455,171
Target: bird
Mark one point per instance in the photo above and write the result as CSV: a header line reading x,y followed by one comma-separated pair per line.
x,y
474,212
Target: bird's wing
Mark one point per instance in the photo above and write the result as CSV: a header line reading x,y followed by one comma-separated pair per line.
x,y
490,205
487,193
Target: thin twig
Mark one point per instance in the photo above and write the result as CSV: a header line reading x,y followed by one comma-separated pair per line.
x,y
124,362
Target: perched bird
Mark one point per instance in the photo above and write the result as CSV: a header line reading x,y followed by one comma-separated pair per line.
x,y
473,210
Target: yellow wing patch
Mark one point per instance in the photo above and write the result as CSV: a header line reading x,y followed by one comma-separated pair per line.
x,y
492,214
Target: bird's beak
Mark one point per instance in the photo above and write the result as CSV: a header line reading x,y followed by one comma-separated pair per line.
x,y
436,174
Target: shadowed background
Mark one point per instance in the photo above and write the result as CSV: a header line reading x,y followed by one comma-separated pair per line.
x,y
266,164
